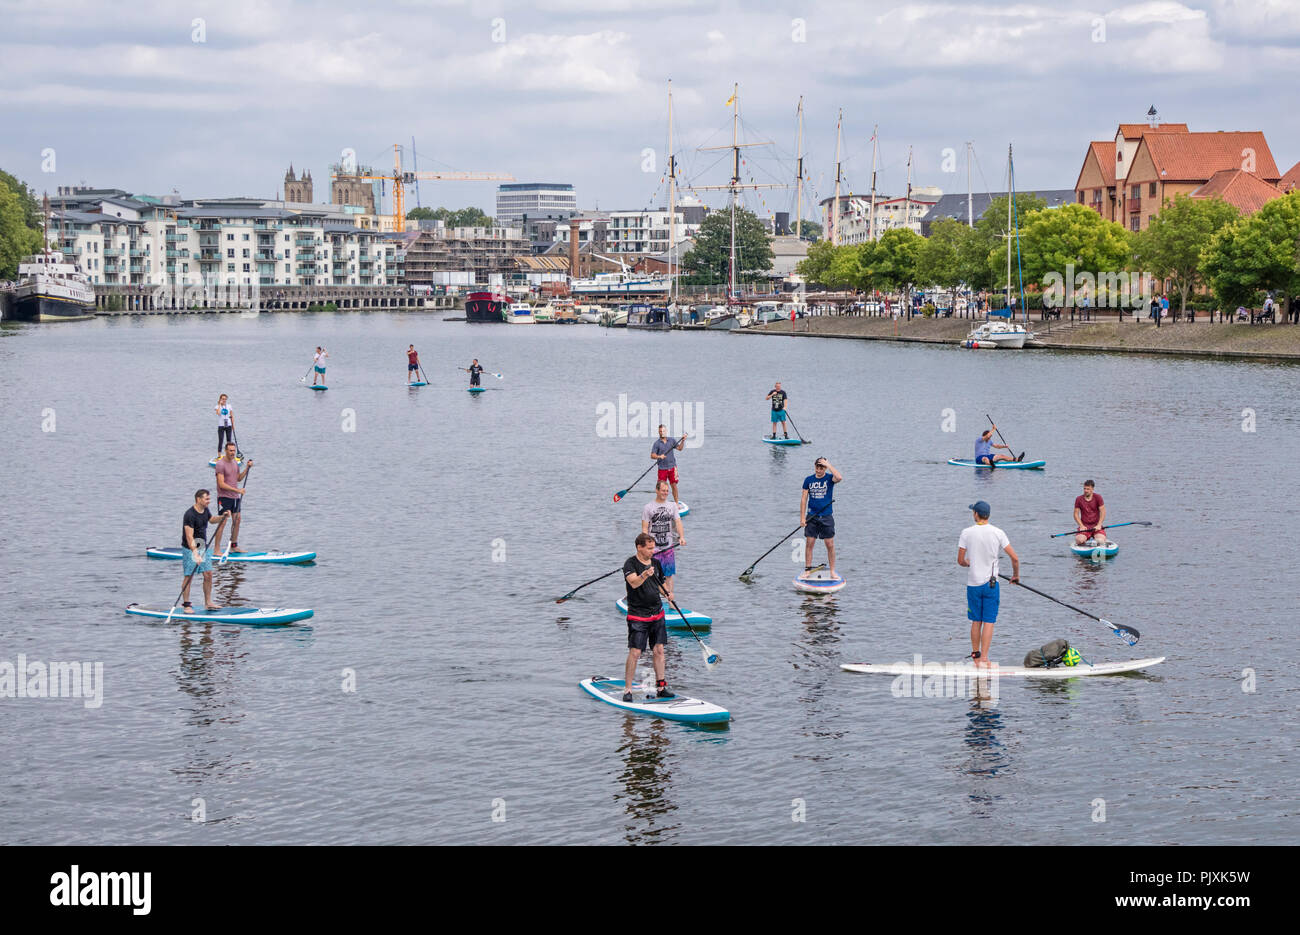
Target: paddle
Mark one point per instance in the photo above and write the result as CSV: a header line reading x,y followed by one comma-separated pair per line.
x,y
303,378
711,658
234,436
623,493
1127,634
185,584
999,431
561,600
796,429
488,372
780,542
422,373
1074,532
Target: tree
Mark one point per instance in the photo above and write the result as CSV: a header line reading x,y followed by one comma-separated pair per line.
x,y
985,261
1257,252
810,230
709,256
939,259
1074,236
846,270
817,264
462,217
1171,247
32,214
17,238
891,264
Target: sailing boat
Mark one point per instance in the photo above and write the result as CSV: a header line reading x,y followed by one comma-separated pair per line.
x,y
1004,334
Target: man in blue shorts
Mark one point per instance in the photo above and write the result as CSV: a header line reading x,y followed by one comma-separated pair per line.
x,y
643,576
977,550
984,446
195,554
778,397
815,511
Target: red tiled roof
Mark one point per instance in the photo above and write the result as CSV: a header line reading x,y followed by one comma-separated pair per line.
x,y
1245,191
1134,131
1290,181
1194,157
1105,153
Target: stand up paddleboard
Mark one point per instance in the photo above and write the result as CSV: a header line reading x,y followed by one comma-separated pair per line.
x,y
213,462
782,441
253,616
1091,550
966,670
270,558
1023,465
420,383
682,508
818,582
672,618
318,387
478,389
679,708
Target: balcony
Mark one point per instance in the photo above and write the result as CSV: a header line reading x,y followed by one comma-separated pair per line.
x,y
137,268
1134,205
173,254
137,252
209,256
112,251
209,241
264,257
176,238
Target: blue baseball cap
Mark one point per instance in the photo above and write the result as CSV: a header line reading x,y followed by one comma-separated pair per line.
x,y
981,507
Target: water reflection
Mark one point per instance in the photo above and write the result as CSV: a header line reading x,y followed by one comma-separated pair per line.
x,y
646,779
987,755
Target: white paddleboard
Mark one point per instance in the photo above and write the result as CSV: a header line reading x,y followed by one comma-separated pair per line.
x,y
682,508
966,670
818,582
678,708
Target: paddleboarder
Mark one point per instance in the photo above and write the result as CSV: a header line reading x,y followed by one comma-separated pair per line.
x,y
412,364
318,365
194,536
815,511
1090,516
229,493
643,575
225,422
778,397
658,518
473,370
984,446
664,450
977,551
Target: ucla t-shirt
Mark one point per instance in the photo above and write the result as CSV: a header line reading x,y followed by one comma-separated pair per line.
x,y
819,494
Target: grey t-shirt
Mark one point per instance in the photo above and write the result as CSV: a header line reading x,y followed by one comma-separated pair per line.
x,y
668,448
660,519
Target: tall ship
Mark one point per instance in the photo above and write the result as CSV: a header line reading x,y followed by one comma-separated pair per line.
x,y
50,289
486,306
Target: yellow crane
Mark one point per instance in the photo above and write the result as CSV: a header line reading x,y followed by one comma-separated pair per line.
x,y
401,179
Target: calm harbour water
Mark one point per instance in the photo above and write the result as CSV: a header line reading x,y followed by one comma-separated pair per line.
x,y
447,524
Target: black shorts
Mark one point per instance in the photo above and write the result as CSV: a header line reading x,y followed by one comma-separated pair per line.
x,y
643,633
228,503
410,367
820,527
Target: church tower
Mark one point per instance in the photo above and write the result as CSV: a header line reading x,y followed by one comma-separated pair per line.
x,y
299,189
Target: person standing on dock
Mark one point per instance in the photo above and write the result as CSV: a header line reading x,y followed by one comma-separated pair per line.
x,y
658,518
646,626
194,549
229,493
318,365
815,508
977,550
225,422
1090,516
664,450
778,397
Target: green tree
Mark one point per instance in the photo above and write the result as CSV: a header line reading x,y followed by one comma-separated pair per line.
x,y
939,260
810,230
1071,236
32,215
1257,252
846,270
17,238
461,217
1171,247
985,259
892,263
709,257
817,264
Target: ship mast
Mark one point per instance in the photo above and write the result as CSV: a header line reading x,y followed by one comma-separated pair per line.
x,y
970,198
875,132
798,175
835,210
672,200
1010,199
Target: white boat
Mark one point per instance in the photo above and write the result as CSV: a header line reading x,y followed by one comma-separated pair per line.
x,y
997,334
743,319
50,289
615,318
622,283
719,318
590,314
544,315
520,313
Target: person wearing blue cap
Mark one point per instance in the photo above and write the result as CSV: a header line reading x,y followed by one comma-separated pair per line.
x,y
977,551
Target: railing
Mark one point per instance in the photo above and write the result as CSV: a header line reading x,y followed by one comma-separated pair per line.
x,y
264,257
1134,205
112,251
172,254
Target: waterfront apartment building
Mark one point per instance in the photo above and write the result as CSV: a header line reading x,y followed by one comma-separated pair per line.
x,y
461,256
120,239
647,230
854,215
515,200
1129,178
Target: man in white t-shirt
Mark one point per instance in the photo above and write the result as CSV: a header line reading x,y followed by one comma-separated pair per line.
x,y
658,518
977,550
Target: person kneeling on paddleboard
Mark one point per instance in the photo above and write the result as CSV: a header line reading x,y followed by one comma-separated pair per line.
x,y
815,505
194,548
1090,516
984,446
644,576
778,397
977,550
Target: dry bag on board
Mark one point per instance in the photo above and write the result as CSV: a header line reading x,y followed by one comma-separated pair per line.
x,y
1047,655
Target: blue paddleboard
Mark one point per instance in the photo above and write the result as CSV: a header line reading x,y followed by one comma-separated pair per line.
x,y
1001,465
672,618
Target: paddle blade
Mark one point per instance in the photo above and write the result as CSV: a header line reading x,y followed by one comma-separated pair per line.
x,y
1127,634
561,600
744,575
620,495
711,658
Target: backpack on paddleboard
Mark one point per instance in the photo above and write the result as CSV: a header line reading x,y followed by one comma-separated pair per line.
x,y
1046,656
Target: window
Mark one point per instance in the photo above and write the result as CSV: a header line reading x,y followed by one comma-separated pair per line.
x,y
230,267
1136,223
1137,191
246,254
230,254
245,236
245,270
1152,192
230,236
185,267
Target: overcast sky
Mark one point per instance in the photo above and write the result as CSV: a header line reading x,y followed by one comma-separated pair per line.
x,y
576,90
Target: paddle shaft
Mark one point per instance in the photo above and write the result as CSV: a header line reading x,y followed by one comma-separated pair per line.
x,y
797,433
998,430
561,600
779,543
623,493
176,603
1075,532
711,658
1117,629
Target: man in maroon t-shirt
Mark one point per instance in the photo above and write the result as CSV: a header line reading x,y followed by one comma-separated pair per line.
x,y
1089,516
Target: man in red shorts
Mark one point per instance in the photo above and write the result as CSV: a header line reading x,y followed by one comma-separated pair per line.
x,y
664,450
1090,516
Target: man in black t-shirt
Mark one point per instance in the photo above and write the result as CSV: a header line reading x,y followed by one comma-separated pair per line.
x,y
195,555
778,397
644,577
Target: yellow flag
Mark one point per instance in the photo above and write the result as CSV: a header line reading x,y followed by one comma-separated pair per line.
x,y
731,100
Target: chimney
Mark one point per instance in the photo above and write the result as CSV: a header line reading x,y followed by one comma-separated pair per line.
x,y
575,225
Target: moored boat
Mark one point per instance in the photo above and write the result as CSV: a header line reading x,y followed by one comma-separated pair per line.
x,y
520,313
991,335
486,306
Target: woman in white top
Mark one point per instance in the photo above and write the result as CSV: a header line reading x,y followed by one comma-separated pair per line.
x,y
318,364
225,423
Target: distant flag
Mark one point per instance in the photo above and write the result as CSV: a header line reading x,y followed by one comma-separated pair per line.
x,y
731,100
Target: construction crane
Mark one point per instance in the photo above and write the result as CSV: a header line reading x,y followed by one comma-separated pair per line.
x,y
400,180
